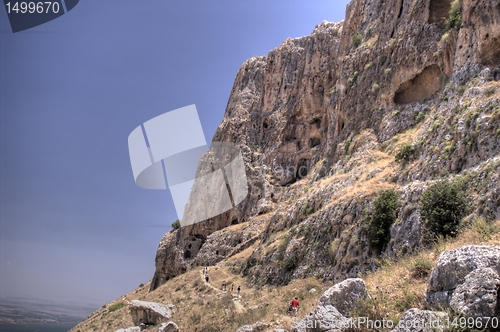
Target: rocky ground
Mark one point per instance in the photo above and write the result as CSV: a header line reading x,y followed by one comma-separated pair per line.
x,y
395,291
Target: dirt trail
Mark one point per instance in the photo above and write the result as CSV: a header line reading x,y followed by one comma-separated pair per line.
x,y
238,306
236,298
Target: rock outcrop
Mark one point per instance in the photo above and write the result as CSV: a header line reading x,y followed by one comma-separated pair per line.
x,y
479,295
416,320
344,295
323,318
259,326
130,329
149,313
167,327
453,269
326,106
332,310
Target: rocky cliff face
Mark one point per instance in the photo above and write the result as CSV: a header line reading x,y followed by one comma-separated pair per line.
x,y
319,121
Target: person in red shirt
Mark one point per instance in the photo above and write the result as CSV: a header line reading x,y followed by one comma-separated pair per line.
x,y
295,305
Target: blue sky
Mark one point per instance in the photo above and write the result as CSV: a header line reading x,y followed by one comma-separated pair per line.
x,y
73,224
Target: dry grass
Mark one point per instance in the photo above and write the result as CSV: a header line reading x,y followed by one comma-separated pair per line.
x,y
398,286
202,307
395,287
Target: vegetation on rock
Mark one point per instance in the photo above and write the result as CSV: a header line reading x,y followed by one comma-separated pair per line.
x,y
176,224
455,18
382,218
444,204
405,153
357,38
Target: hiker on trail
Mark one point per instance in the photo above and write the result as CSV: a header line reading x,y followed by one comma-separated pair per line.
x,y
206,277
238,289
294,306
224,286
232,287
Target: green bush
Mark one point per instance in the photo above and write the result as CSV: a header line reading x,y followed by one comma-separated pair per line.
x,y
419,116
490,92
357,38
405,153
290,263
444,204
116,306
382,218
176,224
455,16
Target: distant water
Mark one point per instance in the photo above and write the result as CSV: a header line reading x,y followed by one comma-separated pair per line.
x,y
47,327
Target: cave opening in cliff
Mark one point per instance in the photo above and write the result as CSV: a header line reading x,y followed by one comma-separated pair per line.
x,y
302,169
496,74
234,222
439,11
314,141
423,85
490,51
187,254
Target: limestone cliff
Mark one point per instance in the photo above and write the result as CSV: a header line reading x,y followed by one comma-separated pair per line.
x,y
319,121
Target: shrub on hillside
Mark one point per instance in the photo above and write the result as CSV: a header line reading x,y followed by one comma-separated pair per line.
x,y
116,306
444,204
176,224
357,38
405,153
382,218
455,16
290,263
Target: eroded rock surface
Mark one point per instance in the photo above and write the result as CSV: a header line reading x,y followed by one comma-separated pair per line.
x,y
322,105
452,268
149,313
168,327
478,296
344,295
416,320
323,318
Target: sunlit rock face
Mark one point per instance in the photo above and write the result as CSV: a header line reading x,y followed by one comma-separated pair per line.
x,y
319,107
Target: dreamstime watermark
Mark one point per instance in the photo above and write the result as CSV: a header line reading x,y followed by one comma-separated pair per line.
x,y
204,182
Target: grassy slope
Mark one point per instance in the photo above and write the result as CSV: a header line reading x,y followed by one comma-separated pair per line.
x,y
395,287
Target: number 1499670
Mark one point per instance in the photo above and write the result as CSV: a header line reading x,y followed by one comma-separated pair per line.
x,y
40,7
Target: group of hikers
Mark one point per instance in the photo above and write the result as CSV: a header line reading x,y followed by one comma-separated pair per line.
x,y
224,285
292,309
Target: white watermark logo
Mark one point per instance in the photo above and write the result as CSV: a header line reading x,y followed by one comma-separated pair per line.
x,y
171,148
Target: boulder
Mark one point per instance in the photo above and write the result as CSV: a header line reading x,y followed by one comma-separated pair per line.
x,y
323,318
130,329
252,328
453,266
168,327
416,320
478,295
344,295
150,313
245,328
